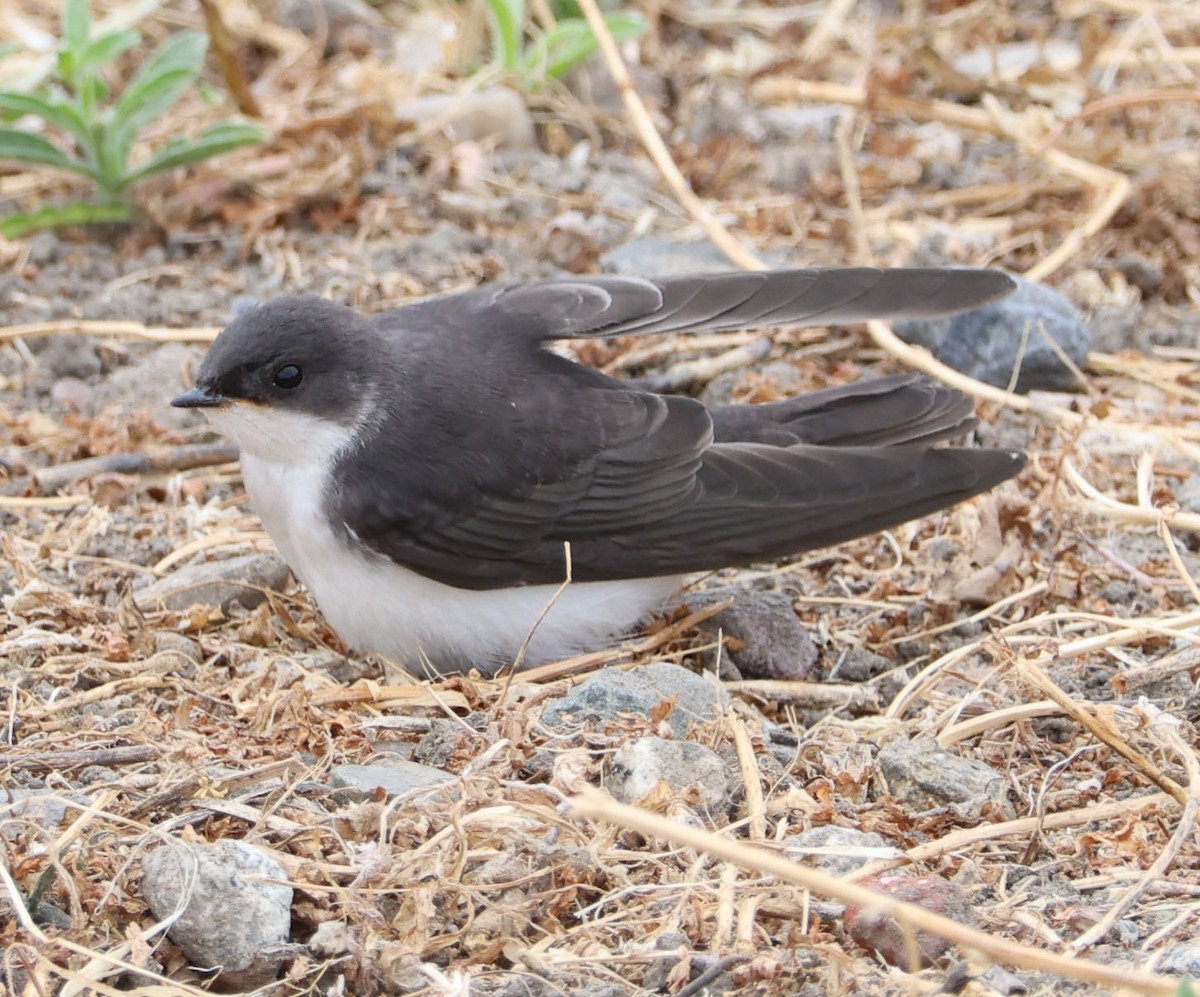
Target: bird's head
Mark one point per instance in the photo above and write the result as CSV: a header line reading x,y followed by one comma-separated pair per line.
x,y
290,379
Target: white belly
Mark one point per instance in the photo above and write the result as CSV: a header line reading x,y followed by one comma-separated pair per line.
x,y
376,605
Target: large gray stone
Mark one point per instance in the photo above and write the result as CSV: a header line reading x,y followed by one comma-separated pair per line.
x,y
233,905
242,580
986,343
768,639
610,693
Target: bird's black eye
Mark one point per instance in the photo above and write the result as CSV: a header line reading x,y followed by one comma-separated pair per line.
x,y
288,377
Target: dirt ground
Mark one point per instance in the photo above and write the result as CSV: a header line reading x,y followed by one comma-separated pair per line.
x,y
1048,631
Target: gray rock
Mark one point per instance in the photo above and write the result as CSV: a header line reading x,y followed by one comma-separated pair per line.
x,y
783,376
149,382
498,115
768,639
71,393
1188,494
808,123
726,113
543,983
638,766
830,839
639,690
1181,960
394,777
921,773
1117,329
44,247
63,355
652,255
345,25
986,343
43,808
315,17
167,642
447,738
243,580
1143,272
233,916
620,194
860,665
343,669
1003,982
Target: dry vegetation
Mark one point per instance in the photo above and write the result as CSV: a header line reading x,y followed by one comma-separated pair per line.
x,y
1059,646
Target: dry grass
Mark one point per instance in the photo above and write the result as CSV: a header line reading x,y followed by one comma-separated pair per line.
x,y
1016,652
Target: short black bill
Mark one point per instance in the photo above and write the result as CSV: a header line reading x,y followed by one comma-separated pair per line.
x,y
199,398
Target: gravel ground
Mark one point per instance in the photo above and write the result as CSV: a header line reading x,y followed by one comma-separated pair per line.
x,y
995,704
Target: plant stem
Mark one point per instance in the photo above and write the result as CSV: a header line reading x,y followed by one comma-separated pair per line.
x,y
231,70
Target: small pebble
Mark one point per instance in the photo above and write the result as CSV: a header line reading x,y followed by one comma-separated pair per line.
x,y
236,906
883,935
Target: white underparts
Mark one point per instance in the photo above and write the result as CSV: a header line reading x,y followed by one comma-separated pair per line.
x,y
377,605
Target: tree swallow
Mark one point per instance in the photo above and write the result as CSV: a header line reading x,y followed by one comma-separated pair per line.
x,y
428,470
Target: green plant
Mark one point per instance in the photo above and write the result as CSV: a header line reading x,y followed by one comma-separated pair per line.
x,y
553,52
100,131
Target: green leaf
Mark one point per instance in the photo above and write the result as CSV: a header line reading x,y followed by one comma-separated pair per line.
x,y
163,79
27,148
92,91
508,19
70,117
221,137
43,107
107,47
572,41
59,215
10,48
76,25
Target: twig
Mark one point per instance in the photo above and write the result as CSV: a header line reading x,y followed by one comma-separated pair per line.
x,y
1122,512
132,754
1033,670
954,842
18,502
1166,728
756,809
812,695
231,70
600,659
719,966
596,805
183,458
657,148
110,329
1113,102
701,371
975,726
523,650
922,360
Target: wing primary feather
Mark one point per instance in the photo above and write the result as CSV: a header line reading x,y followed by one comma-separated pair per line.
x,y
720,302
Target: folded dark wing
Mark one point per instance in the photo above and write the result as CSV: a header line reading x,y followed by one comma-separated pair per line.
x,y
903,408
480,524
661,503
